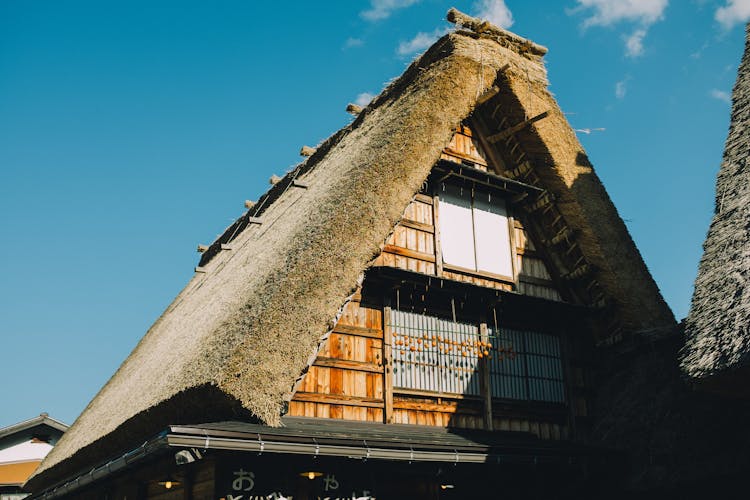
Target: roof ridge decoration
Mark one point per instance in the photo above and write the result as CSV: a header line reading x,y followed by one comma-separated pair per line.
x,y
235,340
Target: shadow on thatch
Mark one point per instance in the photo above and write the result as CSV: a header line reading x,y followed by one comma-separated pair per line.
x,y
198,404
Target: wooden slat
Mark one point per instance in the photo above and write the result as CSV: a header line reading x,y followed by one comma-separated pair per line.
x,y
359,331
484,369
405,252
314,397
348,365
438,250
387,367
443,407
423,198
427,228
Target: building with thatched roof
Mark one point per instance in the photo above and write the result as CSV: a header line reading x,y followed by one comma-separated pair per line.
x,y
412,308
717,344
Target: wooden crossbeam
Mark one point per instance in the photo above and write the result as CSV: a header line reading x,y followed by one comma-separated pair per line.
x,y
489,94
516,128
578,272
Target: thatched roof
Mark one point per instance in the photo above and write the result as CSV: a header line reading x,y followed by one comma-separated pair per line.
x,y
718,324
234,341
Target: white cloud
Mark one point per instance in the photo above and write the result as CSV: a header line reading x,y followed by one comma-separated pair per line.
x,y
382,9
363,99
634,43
420,42
642,13
621,88
494,11
608,12
734,12
721,95
353,42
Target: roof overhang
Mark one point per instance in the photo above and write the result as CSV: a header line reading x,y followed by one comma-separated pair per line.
x,y
352,441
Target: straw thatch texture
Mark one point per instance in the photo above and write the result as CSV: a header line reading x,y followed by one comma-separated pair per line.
x,y
241,332
718,324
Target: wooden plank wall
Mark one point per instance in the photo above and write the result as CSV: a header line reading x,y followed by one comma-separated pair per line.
x,y
465,148
411,246
346,380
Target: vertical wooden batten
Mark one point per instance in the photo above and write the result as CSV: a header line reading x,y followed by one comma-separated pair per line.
x,y
436,233
387,367
484,369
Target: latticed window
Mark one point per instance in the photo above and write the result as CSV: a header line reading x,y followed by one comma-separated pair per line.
x,y
438,355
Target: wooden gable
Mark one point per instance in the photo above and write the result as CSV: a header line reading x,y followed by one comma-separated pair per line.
x,y
352,377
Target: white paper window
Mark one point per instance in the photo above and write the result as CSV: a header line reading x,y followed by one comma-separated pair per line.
x,y
474,230
456,227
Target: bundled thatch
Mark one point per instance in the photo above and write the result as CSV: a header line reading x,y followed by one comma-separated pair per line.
x,y
718,324
236,338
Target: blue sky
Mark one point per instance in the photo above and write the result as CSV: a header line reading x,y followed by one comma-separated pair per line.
x,y
132,131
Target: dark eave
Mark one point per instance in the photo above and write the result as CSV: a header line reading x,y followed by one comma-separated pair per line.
x,y
444,170
534,312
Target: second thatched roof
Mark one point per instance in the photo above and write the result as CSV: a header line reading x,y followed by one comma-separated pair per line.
x,y
717,329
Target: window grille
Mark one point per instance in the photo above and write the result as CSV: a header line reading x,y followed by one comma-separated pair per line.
x,y
438,355
526,365
434,354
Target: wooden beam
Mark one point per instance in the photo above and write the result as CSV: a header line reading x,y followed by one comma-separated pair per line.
x,y
419,226
488,94
255,220
438,249
202,248
484,369
405,252
387,367
249,204
360,366
516,128
306,151
358,331
332,399
353,109
480,26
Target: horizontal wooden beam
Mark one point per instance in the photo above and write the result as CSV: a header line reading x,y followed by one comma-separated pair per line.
x,y
516,128
358,331
419,226
331,399
488,94
447,407
405,252
346,364
423,198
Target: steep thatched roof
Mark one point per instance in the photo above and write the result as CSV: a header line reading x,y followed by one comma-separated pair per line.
x,y
235,339
718,324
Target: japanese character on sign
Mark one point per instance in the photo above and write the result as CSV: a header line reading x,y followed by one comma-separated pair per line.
x,y
330,482
245,480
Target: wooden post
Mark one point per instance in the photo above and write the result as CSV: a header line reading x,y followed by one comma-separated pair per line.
x,y
484,368
436,235
387,367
